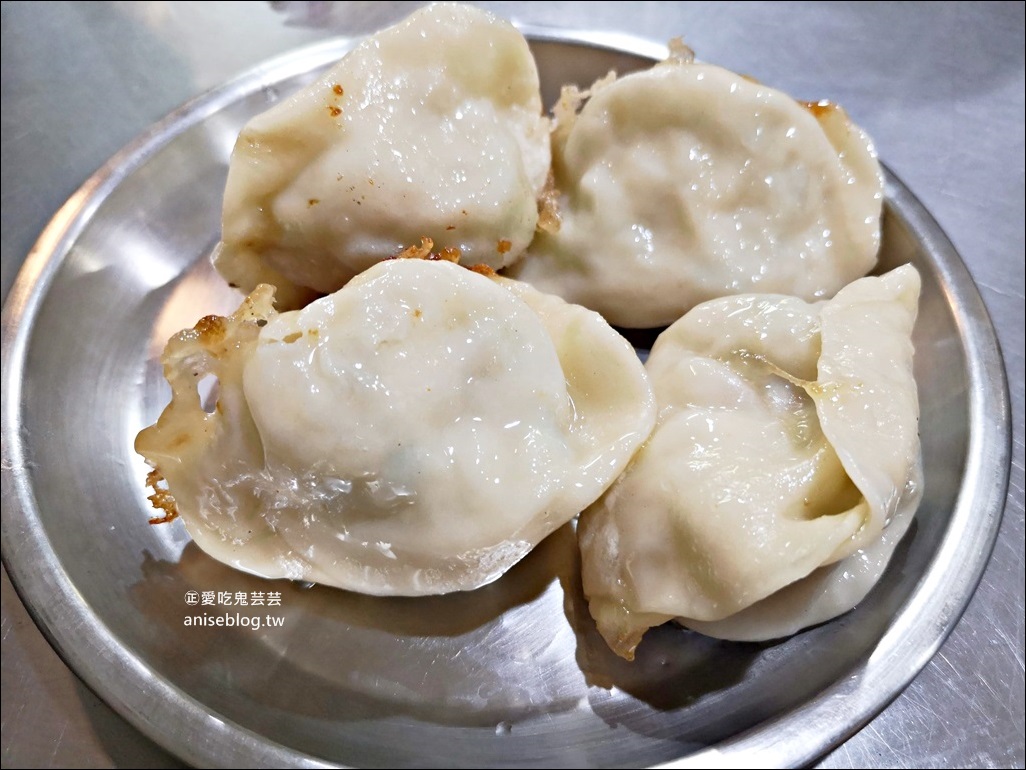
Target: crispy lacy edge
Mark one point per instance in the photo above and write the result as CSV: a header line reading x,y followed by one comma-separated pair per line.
x,y
183,430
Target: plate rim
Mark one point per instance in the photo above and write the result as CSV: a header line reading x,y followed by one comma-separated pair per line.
x,y
188,728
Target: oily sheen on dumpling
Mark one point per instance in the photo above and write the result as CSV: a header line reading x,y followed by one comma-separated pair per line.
x,y
417,432
783,469
687,182
432,127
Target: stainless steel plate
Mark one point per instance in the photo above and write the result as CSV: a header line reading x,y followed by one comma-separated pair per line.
x,y
511,675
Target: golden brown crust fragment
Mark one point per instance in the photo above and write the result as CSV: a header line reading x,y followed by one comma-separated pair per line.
x,y
447,254
211,329
549,220
424,251
161,499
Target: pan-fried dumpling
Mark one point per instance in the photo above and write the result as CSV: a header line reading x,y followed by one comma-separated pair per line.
x,y
417,432
687,182
431,127
783,469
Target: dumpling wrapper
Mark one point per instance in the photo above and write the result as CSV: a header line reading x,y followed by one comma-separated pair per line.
x,y
687,182
417,432
783,469
432,128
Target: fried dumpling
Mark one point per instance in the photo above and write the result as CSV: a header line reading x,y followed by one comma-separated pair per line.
x,y
431,127
687,182
783,469
417,432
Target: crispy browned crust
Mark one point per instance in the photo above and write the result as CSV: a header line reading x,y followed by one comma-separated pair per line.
x,y
161,499
423,250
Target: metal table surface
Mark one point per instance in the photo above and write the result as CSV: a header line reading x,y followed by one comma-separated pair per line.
x,y
939,86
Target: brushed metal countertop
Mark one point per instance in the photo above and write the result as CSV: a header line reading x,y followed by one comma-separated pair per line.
x,y
940,87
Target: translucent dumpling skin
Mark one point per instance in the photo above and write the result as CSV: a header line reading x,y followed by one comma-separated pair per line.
x,y
783,469
432,128
417,432
688,182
